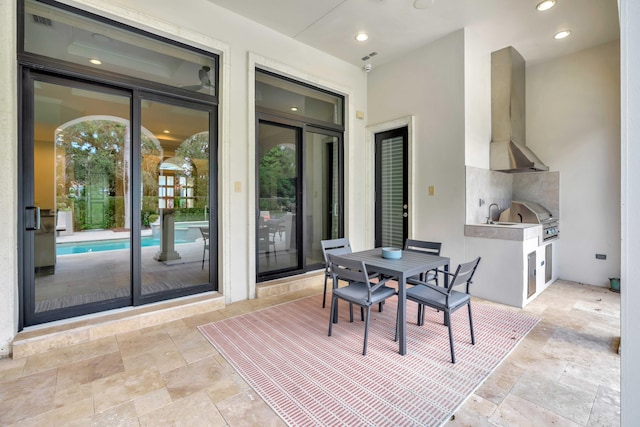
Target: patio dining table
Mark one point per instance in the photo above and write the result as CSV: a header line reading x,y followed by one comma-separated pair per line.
x,y
411,263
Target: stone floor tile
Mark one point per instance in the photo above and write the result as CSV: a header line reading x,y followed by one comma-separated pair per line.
x,y
10,368
571,402
64,356
89,370
194,346
123,415
27,396
606,408
194,410
473,413
72,394
517,412
152,401
495,388
135,343
125,386
193,378
247,409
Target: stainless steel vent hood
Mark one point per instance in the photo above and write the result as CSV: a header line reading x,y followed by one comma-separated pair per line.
x,y
508,150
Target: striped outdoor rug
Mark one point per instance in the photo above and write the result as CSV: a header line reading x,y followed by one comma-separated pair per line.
x,y
308,378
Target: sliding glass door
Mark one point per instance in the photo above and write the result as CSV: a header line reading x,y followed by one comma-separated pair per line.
x,y
279,184
76,183
175,230
90,242
298,197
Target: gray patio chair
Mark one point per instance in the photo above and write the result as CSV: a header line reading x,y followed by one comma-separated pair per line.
x,y
337,247
360,290
446,299
427,247
424,246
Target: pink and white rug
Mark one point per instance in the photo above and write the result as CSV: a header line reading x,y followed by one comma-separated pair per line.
x,y
309,378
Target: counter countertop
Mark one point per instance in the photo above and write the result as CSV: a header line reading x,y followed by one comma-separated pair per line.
x,y
504,231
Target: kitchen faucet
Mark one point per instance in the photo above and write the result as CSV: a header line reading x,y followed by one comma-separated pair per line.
x,y
489,219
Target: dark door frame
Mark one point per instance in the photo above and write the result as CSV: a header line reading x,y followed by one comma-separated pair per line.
x,y
378,138
303,128
26,279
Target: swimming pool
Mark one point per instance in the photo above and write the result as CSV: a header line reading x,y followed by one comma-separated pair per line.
x,y
104,245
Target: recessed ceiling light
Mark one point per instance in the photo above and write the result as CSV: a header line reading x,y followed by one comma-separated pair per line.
x,y
562,34
362,37
166,131
422,4
545,5
294,108
95,61
101,38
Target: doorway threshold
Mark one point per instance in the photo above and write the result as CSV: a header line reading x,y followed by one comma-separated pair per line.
x,y
77,330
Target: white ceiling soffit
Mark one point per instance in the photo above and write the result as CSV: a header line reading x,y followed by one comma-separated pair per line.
x,y
396,28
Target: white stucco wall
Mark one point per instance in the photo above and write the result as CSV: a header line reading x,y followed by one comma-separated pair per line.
x,y
573,123
8,178
429,85
477,100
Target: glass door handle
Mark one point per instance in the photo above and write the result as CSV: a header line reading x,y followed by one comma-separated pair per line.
x,y
35,218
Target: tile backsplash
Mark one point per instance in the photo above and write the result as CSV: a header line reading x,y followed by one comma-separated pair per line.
x,y
484,187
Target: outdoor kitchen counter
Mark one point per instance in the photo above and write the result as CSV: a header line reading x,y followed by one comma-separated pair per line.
x,y
504,231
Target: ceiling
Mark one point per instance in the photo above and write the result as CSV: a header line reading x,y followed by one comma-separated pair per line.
x,y
396,27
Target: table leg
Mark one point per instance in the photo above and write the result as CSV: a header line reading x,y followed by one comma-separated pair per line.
x,y
446,285
335,313
402,313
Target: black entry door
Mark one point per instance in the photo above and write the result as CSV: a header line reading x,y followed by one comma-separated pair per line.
x,y
392,209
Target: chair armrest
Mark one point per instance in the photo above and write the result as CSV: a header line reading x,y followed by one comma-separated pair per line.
x,y
437,270
443,291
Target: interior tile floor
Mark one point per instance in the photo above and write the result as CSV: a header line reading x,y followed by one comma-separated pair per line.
x,y
566,372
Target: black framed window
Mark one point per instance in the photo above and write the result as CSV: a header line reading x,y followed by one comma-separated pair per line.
x,y
299,174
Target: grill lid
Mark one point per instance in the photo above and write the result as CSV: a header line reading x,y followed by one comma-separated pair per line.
x,y
529,212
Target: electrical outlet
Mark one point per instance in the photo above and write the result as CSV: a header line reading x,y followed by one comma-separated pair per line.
x,y
432,190
601,256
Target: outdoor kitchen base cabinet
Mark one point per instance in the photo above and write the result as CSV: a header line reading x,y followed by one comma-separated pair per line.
x,y
531,275
511,272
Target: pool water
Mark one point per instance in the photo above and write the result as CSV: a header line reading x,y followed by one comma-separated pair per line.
x,y
104,245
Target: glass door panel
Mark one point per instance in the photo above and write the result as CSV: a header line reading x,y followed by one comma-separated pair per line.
x,y
78,235
278,186
322,195
391,188
174,170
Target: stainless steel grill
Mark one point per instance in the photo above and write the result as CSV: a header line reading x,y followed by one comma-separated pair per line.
x,y
533,213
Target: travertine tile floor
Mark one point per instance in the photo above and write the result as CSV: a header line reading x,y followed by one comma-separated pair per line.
x,y
565,372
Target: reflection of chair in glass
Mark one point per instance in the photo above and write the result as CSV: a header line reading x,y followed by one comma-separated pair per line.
x,y
205,238
359,291
266,237
446,299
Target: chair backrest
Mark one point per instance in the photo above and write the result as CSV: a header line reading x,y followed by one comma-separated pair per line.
x,y
335,246
205,233
422,246
347,269
464,273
